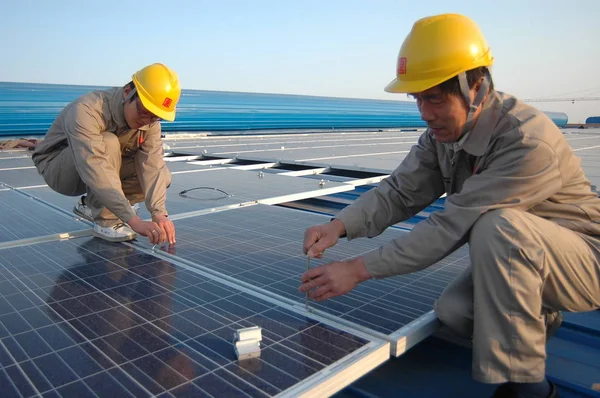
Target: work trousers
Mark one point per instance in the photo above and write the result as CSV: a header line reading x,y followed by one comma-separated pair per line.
x,y
61,175
522,267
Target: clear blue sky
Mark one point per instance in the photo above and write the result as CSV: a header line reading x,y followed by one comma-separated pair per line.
x,y
344,48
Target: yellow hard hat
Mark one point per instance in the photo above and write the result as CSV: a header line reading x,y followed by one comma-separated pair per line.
x,y
437,49
159,90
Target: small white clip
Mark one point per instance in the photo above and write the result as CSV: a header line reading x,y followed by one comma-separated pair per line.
x,y
247,342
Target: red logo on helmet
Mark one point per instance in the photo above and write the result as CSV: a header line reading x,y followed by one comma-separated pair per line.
x,y
402,66
167,102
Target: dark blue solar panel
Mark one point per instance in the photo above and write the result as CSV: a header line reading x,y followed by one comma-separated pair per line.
x,y
47,195
85,316
22,217
262,245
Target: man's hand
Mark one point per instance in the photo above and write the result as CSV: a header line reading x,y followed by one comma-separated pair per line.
x,y
152,229
321,237
334,279
167,228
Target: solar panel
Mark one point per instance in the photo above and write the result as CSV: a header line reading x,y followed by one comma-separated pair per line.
x,y
177,167
203,192
208,200
381,150
208,165
206,192
46,195
21,177
261,246
15,162
591,166
85,317
23,218
12,153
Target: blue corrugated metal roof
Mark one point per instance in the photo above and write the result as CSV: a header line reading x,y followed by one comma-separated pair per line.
x,y
30,108
592,120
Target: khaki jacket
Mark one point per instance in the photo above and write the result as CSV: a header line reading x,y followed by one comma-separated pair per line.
x,y
514,157
80,125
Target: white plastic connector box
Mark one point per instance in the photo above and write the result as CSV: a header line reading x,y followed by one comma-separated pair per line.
x,y
247,342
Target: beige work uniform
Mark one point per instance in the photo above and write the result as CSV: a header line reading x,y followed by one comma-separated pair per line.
x,y
89,148
518,195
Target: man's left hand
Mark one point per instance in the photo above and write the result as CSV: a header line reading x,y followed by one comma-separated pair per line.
x,y
334,279
167,228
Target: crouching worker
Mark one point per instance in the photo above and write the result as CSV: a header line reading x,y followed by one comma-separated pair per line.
x,y
516,193
107,147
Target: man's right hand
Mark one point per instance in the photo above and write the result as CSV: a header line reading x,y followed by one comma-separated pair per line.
x,y
321,237
149,229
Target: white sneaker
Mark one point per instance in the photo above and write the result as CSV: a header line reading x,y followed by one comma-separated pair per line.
x,y
116,233
82,210
85,212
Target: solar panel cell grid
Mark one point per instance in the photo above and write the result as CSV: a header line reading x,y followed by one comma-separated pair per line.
x,y
262,246
22,217
86,315
47,195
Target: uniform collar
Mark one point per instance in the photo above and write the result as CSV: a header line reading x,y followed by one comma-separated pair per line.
x,y
117,111
476,141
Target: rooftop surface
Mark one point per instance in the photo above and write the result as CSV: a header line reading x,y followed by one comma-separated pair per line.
x,y
81,316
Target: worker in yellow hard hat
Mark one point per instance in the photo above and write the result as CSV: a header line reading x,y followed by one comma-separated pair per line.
x,y
107,147
516,193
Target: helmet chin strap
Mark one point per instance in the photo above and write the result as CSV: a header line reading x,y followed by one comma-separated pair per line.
x,y
127,99
466,93
130,95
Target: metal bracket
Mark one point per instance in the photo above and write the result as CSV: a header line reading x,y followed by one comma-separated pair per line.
x,y
247,342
